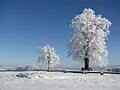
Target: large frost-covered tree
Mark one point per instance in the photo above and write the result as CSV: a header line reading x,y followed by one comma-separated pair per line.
x,y
88,40
48,55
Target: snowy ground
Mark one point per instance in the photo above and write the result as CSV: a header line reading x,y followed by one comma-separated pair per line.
x,y
42,80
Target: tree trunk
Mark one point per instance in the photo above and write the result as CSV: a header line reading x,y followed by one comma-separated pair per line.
x,y
48,68
86,64
86,47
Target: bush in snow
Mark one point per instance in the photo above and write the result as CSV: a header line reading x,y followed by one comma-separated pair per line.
x,y
31,67
48,55
88,40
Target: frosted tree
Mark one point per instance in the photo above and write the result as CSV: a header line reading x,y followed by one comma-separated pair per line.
x,y
48,55
88,40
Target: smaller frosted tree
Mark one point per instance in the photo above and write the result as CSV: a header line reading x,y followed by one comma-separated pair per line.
x,y
48,55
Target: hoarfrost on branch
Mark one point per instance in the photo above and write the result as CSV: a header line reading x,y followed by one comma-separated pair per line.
x,y
48,55
90,33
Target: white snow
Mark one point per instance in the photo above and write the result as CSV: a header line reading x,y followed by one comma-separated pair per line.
x,y
42,80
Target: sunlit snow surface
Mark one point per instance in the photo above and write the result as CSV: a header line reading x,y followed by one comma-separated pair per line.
x,y
42,80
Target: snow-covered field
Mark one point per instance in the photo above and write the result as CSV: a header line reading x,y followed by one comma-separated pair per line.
x,y
42,80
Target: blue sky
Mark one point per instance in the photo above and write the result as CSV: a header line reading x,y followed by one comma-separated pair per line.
x,y
28,24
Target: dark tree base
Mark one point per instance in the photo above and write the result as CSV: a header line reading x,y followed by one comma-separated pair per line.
x,y
89,69
101,73
86,63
